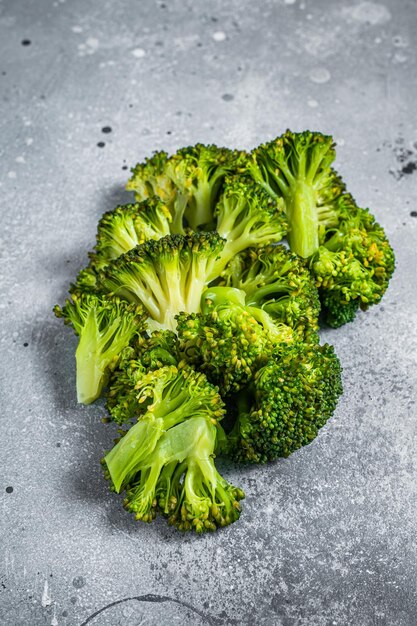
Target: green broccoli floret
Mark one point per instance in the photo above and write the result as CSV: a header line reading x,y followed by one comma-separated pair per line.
x,y
277,281
167,276
128,226
150,179
246,216
349,254
353,264
189,182
105,326
297,168
199,171
146,354
290,399
165,461
229,340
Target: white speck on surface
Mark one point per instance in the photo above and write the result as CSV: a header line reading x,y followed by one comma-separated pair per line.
x,y
46,599
312,103
367,13
219,35
12,174
77,29
29,141
20,159
290,1
319,75
400,57
340,141
378,40
138,53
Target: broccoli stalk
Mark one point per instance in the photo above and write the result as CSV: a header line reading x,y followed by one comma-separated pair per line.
x,y
105,327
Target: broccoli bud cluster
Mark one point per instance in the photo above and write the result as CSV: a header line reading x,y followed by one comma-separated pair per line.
x,y
202,301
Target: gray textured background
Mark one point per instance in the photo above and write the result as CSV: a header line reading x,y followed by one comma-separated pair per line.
x,y
327,536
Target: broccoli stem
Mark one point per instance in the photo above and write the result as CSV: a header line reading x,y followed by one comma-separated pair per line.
x,y
90,378
302,215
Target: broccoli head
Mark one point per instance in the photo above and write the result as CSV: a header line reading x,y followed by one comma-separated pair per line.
x,y
297,168
229,340
128,226
105,326
290,399
167,276
276,280
354,262
348,252
165,461
246,216
189,182
148,353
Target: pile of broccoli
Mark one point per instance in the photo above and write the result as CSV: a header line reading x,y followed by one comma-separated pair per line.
x,y
204,298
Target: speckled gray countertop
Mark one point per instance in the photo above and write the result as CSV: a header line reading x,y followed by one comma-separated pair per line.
x,y
327,536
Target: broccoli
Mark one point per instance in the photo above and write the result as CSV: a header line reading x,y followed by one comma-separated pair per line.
x,y
277,281
167,276
229,340
105,326
128,226
349,254
165,461
353,264
147,353
247,216
290,398
189,182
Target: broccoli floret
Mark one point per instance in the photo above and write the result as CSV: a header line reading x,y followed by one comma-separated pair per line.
x,y
165,461
189,182
353,264
297,168
128,226
167,276
199,171
277,281
229,340
349,254
247,216
150,179
105,326
289,400
147,354
336,311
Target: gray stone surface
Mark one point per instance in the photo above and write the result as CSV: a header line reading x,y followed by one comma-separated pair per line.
x,y
327,536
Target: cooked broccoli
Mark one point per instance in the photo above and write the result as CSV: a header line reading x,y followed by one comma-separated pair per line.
x,y
146,354
128,226
105,327
247,216
189,182
165,461
349,254
150,179
229,340
291,397
167,276
353,264
277,281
